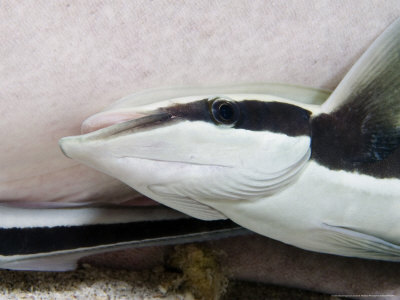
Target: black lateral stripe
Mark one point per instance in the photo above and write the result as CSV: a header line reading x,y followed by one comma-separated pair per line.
x,y
276,117
255,115
20,241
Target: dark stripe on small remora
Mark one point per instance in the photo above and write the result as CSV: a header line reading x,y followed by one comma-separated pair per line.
x,y
20,241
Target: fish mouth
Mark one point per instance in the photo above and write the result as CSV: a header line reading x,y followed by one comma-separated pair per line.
x,y
144,122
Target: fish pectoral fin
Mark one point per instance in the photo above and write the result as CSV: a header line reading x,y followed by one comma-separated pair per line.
x,y
186,205
358,244
363,113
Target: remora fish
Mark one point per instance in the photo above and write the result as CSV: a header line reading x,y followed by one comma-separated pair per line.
x,y
324,178
55,239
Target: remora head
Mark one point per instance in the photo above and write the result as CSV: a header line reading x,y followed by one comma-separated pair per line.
x,y
212,150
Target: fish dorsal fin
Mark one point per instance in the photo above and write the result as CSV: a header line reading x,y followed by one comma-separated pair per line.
x,y
360,122
376,73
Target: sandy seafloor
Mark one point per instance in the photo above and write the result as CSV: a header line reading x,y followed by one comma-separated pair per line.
x,y
96,283
189,272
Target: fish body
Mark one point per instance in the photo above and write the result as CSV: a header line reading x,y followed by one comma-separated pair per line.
x,y
323,177
26,231
55,239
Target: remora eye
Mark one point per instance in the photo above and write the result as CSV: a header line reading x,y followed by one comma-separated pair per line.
x,y
225,111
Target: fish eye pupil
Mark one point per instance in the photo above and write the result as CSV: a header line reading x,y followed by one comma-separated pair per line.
x,y
226,112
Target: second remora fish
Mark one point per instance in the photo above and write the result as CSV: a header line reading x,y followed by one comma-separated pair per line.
x,y
324,178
